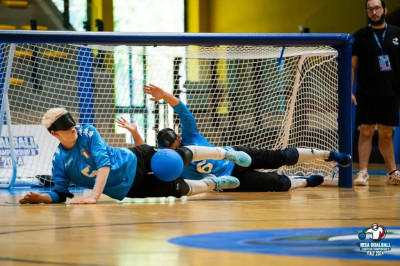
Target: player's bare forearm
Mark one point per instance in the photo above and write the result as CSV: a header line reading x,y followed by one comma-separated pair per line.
x,y
137,138
35,198
101,180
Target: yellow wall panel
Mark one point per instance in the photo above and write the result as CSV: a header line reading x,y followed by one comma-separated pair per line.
x,y
193,20
103,10
281,15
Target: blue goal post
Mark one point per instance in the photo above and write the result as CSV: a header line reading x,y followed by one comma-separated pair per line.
x,y
340,42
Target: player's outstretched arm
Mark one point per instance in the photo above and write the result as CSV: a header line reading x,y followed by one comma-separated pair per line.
x,y
159,94
133,129
188,122
101,180
35,198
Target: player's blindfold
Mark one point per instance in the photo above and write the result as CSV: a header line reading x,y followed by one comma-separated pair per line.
x,y
166,138
64,122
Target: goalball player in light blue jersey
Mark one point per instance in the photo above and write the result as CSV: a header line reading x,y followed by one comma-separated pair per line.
x,y
191,136
86,160
250,179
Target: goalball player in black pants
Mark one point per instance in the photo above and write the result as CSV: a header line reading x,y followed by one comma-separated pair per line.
x,y
251,180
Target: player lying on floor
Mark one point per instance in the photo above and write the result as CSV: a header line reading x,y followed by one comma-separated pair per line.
x,y
86,160
250,179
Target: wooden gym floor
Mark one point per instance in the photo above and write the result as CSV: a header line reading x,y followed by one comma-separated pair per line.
x,y
137,232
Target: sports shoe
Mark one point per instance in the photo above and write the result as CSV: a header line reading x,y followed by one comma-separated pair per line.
x,y
394,178
239,157
330,181
312,180
362,178
224,182
342,159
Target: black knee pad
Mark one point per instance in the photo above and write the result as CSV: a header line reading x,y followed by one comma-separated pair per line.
x,y
181,187
291,155
286,182
186,154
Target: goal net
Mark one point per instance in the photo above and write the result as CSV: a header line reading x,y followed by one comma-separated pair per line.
x,y
261,96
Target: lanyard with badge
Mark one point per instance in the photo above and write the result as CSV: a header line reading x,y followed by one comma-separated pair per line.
x,y
383,59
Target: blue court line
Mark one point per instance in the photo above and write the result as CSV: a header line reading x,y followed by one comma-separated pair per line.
x,y
24,190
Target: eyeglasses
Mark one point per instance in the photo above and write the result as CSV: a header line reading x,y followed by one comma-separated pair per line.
x,y
376,9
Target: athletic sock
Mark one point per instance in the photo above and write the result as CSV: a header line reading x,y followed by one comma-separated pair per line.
x,y
203,153
297,182
199,186
393,171
306,155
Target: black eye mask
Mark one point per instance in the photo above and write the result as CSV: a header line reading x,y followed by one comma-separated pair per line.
x,y
64,122
166,139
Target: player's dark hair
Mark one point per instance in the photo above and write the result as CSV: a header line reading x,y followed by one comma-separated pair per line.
x,y
382,3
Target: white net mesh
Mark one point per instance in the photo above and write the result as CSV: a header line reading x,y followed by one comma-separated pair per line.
x,y
260,96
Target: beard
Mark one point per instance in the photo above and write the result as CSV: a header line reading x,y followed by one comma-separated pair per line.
x,y
378,22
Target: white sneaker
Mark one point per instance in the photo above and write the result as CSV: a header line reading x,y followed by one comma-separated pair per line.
x,y
362,178
330,181
394,178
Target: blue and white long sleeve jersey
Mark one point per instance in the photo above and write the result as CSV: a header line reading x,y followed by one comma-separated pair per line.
x,y
79,165
191,136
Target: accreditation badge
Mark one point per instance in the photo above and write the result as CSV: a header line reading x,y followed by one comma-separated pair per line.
x,y
384,62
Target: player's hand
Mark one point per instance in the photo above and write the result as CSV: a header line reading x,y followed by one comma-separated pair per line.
x,y
86,200
32,197
353,99
154,91
125,124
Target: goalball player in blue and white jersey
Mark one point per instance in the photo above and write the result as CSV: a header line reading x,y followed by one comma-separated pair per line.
x,y
83,158
250,179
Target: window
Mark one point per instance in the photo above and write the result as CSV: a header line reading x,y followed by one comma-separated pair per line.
x,y
141,16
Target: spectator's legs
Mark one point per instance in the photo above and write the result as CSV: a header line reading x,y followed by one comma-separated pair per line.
x,y
365,145
386,148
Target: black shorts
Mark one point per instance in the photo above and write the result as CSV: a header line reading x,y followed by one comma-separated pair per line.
x,y
146,184
371,110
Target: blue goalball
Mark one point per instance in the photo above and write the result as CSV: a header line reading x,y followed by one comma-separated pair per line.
x,y
167,165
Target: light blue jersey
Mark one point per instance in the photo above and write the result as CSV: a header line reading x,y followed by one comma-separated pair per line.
x,y
79,165
191,136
